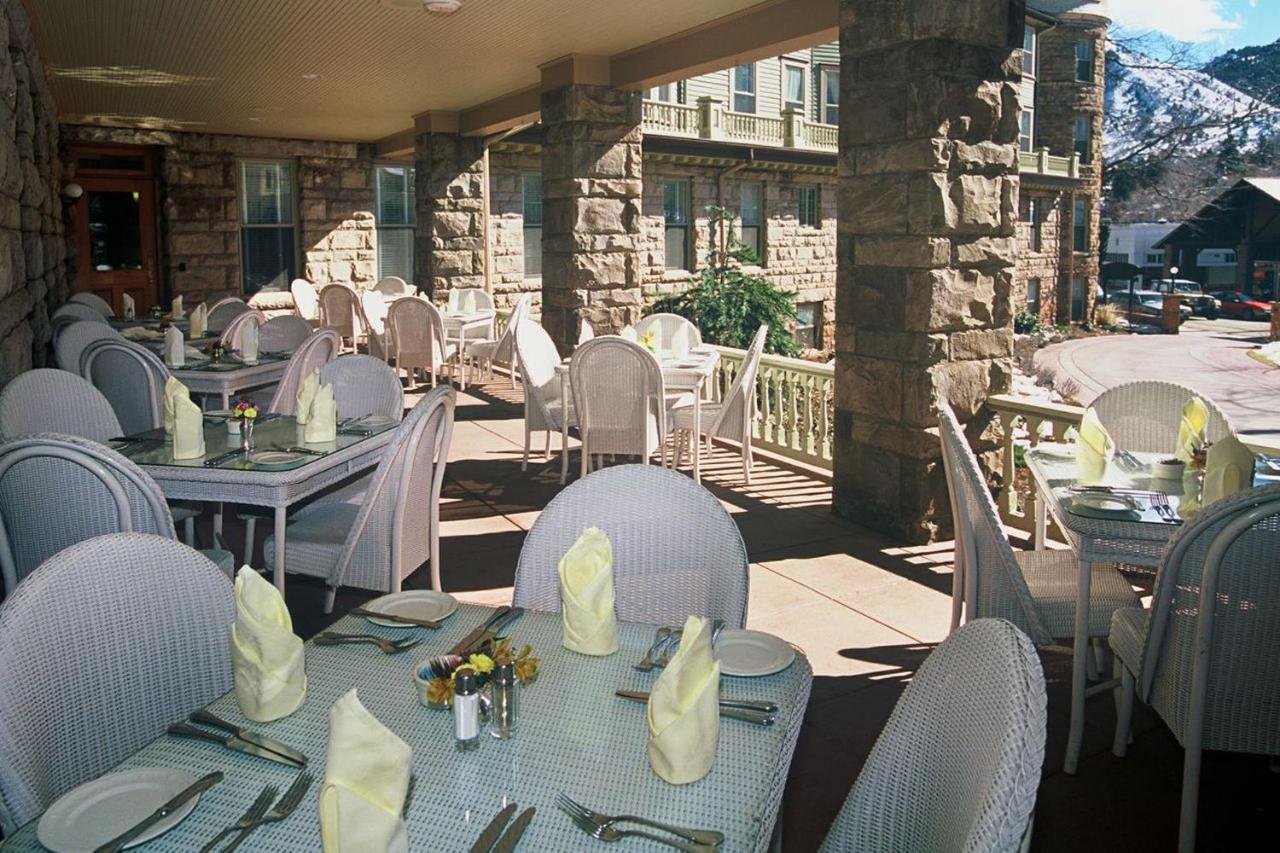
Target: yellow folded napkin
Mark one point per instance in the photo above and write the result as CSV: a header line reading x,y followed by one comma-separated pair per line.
x,y
1195,418
249,343
1228,468
130,307
1094,449
173,390
469,302
322,424
586,595
365,782
455,302
629,332
306,394
188,429
680,342
199,322
266,656
174,355
175,309
684,709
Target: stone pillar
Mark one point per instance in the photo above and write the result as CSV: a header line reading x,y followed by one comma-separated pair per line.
x,y
591,181
452,172
927,205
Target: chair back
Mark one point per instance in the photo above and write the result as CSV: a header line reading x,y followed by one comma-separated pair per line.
x,y
482,298
676,552
338,309
305,299
994,583
102,647
222,312
73,339
1144,416
1214,624
400,516
738,409
316,351
57,490
417,333
619,396
364,385
668,327
537,356
393,285
45,400
284,333
78,311
373,305
132,379
957,765
504,352
94,301
232,334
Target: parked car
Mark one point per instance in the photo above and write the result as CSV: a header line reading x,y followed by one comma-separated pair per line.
x,y
1237,304
1201,303
1147,306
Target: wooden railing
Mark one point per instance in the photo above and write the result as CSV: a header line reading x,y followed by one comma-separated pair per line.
x,y
674,119
1041,162
822,135
747,127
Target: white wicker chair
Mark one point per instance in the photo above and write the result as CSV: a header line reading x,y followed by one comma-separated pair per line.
x,y
45,400
340,311
417,338
222,312
731,418
394,285
1145,415
1202,656
94,301
132,379
543,407
373,314
284,333
668,327
676,552
1035,590
375,537
503,349
483,301
363,385
73,339
101,648
234,332
620,399
957,765
77,311
320,348
306,300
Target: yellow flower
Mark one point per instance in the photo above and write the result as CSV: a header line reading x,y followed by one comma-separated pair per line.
x,y
481,663
440,691
251,413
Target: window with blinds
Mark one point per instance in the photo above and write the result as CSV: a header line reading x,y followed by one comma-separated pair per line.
x,y
395,217
675,217
531,192
752,202
807,204
268,247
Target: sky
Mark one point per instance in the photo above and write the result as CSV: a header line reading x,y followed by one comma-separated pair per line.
x,y
1212,26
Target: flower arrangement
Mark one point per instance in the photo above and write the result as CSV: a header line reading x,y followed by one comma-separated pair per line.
x,y
440,688
649,341
245,410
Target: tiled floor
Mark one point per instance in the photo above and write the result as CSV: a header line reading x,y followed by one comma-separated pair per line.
x,y
866,612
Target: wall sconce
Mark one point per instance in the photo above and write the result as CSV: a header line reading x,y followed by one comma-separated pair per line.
x,y
72,191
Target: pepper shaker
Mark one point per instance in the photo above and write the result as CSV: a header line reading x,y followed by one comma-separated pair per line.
x,y
506,701
466,710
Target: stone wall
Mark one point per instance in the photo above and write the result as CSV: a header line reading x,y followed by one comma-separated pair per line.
x,y
199,220
1053,214
33,249
450,238
507,169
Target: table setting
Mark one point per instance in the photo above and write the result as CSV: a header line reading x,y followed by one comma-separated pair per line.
x,y
555,751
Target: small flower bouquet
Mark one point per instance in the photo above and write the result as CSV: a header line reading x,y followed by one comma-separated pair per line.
x,y
649,341
241,422
245,410
439,685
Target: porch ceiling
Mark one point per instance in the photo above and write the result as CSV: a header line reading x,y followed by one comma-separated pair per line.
x,y
238,66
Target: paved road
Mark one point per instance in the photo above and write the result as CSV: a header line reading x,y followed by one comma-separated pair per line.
x,y
1209,355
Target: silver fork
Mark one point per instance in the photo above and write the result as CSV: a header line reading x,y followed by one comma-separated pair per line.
x,y
646,663
251,816
673,639
618,834
281,810
328,638
606,822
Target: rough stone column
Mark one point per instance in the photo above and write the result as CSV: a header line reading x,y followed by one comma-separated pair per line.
x,y
927,206
450,233
591,185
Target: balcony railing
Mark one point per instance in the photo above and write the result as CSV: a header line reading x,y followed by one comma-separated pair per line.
x,y
670,119
1041,162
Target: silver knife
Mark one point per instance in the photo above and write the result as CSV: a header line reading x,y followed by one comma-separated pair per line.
x,y
233,742
491,832
495,628
760,718
501,616
745,704
197,787
263,741
508,842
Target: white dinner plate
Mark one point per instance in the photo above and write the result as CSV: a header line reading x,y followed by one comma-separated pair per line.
x,y
752,653
87,817
1056,450
413,604
1104,503
276,457
689,362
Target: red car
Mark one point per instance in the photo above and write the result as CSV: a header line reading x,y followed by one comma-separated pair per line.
x,y
1237,304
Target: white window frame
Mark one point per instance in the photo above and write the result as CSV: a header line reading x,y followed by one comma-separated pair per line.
x,y
1082,144
1090,49
1030,55
754,93
801,191
242,210
783,68
824,73
411,226
1027,129
667,93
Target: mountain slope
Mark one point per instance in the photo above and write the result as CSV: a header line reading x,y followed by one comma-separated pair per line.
x,y
1253,70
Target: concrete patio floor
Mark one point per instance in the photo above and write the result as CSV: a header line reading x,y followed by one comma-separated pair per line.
x,y
866,611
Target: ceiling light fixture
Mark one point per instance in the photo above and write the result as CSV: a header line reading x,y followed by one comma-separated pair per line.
x,y
442,7
311,75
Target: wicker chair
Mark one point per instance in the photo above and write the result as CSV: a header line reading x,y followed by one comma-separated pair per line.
x,y
73,339
232,334
483,301
77,311
102,647
45,400
393,285
957,765
417,338
667,327
1035,590
620,399
284,333
339,310
543,407
681,555
503,349
363,385
132,379
1145,415
320,348
376,537
731,418
94,301
373,316
305,299
222,312
1201,657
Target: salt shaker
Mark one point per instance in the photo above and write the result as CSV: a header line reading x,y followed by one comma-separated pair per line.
x,y
466,710
506,701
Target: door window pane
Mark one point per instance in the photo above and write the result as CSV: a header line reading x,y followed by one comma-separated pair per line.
x,y
744,88
675,216
268,258
752,233
792,87
115,230
531,191
395,217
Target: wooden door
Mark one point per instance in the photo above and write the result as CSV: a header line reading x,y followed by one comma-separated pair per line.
x,y
116,225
